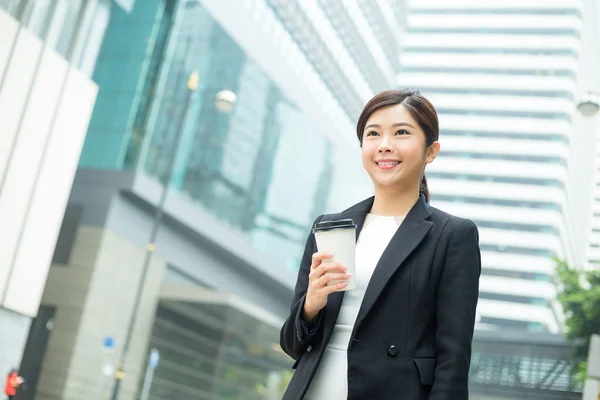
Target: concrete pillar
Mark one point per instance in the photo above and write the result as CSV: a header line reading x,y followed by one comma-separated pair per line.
x,y
591,390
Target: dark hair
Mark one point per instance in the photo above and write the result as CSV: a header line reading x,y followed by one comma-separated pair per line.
x,y
419,108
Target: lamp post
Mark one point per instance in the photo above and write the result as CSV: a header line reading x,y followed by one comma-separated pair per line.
x,y
225,102
589,104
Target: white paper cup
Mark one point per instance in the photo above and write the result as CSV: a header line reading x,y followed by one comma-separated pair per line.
x,y
339,239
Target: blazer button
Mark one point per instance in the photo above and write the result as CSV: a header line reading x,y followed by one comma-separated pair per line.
x,y
392,351
309,348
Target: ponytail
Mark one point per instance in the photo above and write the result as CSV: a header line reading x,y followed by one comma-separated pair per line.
x,y
423,189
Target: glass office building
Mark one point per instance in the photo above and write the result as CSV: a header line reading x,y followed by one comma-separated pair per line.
x,y
265,169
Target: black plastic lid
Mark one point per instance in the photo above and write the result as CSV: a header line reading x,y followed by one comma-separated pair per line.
x,y
329,225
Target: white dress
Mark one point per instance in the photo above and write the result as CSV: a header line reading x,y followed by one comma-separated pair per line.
x,y
331,379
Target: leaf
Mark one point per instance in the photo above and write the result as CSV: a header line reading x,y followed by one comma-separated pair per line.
x,y
579,295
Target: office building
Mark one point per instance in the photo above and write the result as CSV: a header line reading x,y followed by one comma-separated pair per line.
x,y
516,157
248,180
47,54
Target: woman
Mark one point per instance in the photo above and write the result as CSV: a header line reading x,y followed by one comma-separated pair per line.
x,y
405,331
13,381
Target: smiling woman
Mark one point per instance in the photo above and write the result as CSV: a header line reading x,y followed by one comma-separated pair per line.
x,y
404,331
405,124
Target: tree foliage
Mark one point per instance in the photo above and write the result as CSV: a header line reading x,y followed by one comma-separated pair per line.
x,y
579,295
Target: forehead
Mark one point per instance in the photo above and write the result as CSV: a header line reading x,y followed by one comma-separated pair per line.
x,y
391,115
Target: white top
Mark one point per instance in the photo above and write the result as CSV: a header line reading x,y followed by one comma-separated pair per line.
x,y
331,380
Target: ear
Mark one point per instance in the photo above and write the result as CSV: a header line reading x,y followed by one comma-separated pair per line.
x,y
432,152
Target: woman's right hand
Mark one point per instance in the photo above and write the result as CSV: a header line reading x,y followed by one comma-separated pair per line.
x,y
321,273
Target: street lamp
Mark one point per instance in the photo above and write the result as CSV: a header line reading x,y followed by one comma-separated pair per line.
x,y
225,102
589,104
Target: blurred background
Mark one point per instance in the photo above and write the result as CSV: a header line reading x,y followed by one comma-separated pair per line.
x,y
185,147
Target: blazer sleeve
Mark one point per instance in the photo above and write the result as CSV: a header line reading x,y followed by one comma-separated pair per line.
x,y
296,334
457,297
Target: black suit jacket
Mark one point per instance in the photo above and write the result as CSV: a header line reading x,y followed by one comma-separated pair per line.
x,y
412,337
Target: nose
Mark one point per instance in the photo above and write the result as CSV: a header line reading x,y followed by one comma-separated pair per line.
x,y
384,145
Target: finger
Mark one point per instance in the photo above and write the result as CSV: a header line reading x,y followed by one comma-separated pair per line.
x,y
317,271
334,288
318,257
325,279
328,267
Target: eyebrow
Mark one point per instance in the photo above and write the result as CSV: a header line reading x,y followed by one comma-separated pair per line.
x,y
393,125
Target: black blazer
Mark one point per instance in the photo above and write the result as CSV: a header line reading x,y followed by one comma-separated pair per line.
x,y
412,337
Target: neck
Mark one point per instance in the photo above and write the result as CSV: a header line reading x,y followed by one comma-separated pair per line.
x,y
394,201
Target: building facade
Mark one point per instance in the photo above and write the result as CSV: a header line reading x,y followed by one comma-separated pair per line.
x,y
594,251
247,183
47,54
516,156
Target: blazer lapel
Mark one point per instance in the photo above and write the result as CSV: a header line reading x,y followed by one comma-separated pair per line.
x,y
408,236
358,213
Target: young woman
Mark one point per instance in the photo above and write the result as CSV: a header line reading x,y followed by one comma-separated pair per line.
x,y
405,331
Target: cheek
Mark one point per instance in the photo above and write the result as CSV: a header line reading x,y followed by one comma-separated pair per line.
x,y
413,152
367,153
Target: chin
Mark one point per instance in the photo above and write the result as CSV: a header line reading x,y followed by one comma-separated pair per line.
x,y
386,183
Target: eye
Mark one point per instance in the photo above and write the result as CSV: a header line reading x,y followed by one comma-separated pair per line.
x,y
371,133
402,132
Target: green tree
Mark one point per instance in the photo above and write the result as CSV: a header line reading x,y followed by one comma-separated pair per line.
x,y
579,295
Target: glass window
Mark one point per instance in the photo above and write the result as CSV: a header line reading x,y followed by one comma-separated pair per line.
x,y
64,21
497,179
14,7
489,71
500,30
499,11
490,50
38,16
516,250
506,157
507,113
513,298
497,202
89,39
504,135
516,227
508,273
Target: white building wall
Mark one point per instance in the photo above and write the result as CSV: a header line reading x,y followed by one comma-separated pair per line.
x,y
594,251
505,78
45,106
593,85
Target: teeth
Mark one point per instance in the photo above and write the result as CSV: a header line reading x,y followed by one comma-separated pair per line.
x,y
388,163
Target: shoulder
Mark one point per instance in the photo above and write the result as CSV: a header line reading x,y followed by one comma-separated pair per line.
x,y
361,207
454,225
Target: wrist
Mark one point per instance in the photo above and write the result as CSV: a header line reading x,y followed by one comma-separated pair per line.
x,y
308,313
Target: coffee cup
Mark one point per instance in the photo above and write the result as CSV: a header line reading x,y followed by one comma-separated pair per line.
x,y
339,239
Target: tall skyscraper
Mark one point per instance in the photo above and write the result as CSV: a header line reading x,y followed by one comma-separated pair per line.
x,y
505,78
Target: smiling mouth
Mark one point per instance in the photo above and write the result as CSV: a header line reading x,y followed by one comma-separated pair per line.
x,y
387,164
